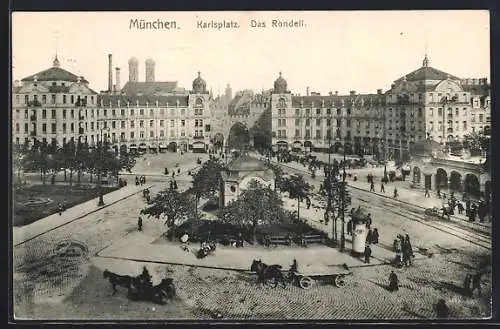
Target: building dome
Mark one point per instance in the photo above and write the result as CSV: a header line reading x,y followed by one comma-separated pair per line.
x,y
150,61
199,85
133,60
280,85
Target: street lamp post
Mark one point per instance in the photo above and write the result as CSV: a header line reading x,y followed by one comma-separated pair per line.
x,y
101,200
342,236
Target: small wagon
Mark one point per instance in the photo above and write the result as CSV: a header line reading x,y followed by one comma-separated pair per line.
x,y
306,278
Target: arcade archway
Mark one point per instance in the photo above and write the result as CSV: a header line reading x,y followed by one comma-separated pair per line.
x,y
239,136
455,181
471,185
172,147
441,179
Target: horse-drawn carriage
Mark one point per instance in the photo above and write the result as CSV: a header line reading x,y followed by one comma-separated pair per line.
x,y
273,275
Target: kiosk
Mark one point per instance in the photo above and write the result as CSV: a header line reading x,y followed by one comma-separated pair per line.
x,y
359,231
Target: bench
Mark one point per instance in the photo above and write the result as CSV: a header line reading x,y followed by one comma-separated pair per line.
x,y
304,240
277,239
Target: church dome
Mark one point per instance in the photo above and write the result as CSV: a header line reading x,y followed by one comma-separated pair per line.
x,y
280,85
199,85
133,60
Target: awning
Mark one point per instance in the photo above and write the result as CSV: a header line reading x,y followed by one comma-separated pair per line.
x,y
133,146
162,146
142,146
153,146
198,145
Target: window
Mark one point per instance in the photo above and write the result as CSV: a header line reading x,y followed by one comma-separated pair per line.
x,y
122,124
481,117
17,127
113,112
132,135
318,122
297,122
17,99
162,111
91,126
440,111
44,99
53,128
420,112
72,114
92,99
72,99
141,135
328,122
171,123
171,112
464,125
44,114
318,111
339,122
328,111
151,134
456,111
64,99
183,123
53,114
151,112
131,111
348,123
308,133
53,99
113,124
122,112
297,133
318,134
162,133
132,124
26,128
44,128
297,112
141,112
141,123
161,123
26,99
473,118
64,127
308,112
151,123
26,114
105,112
464,111
339,112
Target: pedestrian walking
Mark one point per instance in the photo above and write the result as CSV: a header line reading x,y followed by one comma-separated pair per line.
x,y
368,254
468,285
60,208
442,310
179,170
476,283
395,192
427,194
382,188
139,224
439,193
397,248
349,227
137,180
368,221
375,236
173,174
369,237
372,187
409,248
175,185
460,207
393,282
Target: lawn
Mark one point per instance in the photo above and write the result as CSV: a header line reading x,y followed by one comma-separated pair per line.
x,y
34,202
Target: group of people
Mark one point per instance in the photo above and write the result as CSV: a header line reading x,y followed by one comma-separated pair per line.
x,y
403,249
140,180
471,283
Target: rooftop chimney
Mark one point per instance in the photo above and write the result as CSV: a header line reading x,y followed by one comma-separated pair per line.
x,y
307,91
118,87
330,93
379,91
352,92
110,72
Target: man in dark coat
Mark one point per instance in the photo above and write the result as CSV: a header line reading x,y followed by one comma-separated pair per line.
x,y
372,186
460,207
369,237
368,254
382,188
139,224
349,227
393,282
442,310
375,236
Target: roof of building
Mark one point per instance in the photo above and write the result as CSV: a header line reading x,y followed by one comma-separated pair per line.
x,y
151,100
54,74
482,90
427,147
246,163
427,73
149,88
336,100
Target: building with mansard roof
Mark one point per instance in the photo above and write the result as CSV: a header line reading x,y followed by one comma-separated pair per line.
x,y
55,106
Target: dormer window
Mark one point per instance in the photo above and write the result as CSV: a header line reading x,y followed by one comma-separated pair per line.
x,y
54,84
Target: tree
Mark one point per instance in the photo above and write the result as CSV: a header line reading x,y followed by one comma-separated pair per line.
x,y
206,180
298,189
262,131
171,205
257,205
476,142
279,175
239,137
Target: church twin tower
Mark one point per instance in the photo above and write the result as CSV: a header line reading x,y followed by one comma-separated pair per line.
x,y
133,70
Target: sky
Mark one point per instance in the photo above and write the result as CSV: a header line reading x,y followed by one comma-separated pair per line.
x,y
334,50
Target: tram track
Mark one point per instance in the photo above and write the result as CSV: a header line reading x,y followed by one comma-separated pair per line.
x,y
471,234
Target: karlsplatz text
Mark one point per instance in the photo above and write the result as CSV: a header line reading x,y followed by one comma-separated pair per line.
x,y
218,25
276,23
142,24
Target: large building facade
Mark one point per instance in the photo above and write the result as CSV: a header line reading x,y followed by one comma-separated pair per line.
x,y
57,106
426,103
